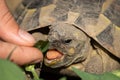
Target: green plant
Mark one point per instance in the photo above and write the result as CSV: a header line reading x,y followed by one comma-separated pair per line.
x,y
31,68
10,71
63,78
43,46
115,75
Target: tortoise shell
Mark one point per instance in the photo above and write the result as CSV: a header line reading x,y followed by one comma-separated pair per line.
x,y
100,19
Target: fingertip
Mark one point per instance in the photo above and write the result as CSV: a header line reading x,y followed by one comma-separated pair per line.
x,y
10,31
17,36
26,55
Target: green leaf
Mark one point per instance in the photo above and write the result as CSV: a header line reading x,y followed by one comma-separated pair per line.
x,y
84,75
89,76
117,73
108,76
10,71
42,45
63,78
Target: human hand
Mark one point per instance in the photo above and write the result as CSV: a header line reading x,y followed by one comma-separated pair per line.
x,y
11,35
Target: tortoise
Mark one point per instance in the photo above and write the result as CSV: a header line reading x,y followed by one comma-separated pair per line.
x,y
85,32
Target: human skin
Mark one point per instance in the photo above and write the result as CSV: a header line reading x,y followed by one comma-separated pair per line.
x,y
12,36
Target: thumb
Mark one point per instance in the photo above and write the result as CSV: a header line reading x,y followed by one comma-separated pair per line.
x,y
9,30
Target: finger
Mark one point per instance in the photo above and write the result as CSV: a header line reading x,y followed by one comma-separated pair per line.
x,y
9,30
21,55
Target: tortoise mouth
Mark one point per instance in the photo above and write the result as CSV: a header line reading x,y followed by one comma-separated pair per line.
x,y
53,57
53,54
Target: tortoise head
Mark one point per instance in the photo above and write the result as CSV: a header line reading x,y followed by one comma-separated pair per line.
x,y
70,41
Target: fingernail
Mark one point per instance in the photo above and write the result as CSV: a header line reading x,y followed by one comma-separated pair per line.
x,y
26,36
36,61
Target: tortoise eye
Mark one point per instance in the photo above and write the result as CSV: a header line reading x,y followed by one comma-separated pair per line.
x,y
67,41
